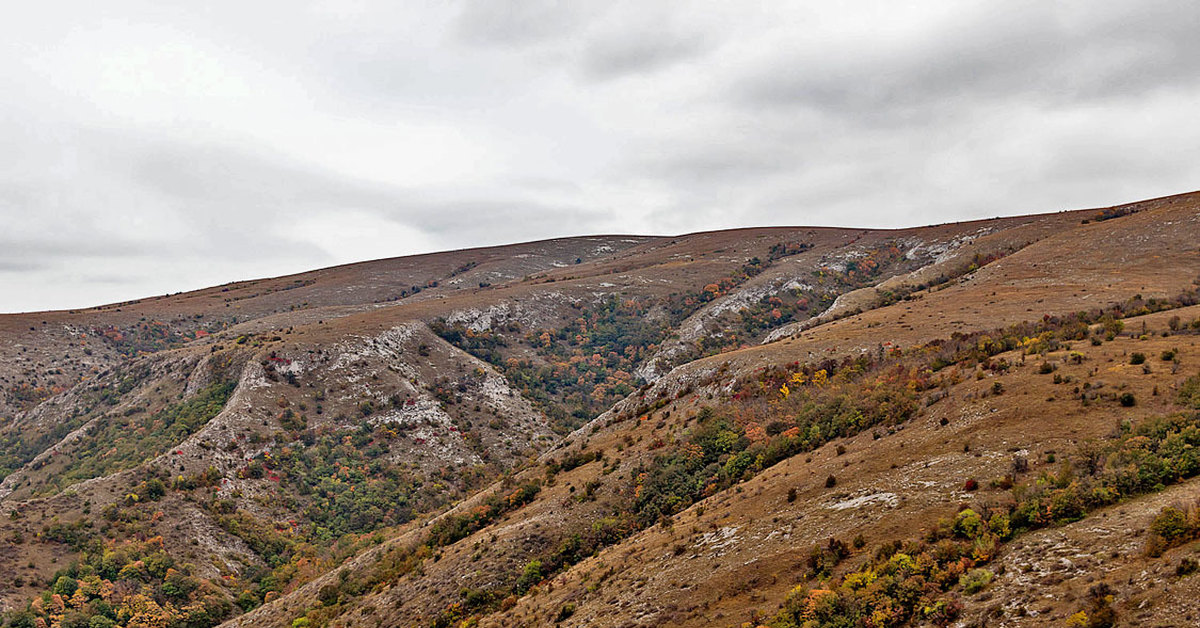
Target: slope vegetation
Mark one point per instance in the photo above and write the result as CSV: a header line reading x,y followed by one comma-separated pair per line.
x,y
756,425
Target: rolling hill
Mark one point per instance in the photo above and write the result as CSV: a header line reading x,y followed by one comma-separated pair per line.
x,y
993,422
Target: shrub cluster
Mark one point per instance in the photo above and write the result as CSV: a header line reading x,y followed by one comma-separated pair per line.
x,y
125,584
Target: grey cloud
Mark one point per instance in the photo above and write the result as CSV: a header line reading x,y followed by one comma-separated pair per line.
x,y
916,130
502,220
332,132
599,41
996,56
521,24
75,245
725,156
117,280
226,181
233,177
21,266
645,52
240,201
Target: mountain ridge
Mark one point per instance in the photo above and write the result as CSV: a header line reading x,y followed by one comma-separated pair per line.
x,y
462,390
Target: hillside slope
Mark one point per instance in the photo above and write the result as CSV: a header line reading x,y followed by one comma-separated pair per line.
x,y
736,554
599,431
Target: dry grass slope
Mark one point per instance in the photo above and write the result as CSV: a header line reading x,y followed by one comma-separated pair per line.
x,y
332,364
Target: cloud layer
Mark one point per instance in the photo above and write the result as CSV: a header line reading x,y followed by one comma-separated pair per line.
x,y
154,148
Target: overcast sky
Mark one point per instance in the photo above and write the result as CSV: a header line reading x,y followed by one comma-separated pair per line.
x,y
147,148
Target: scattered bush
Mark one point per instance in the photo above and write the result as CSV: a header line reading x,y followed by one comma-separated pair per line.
x,y
113,580
1102,614
975,580
1187,566
328,594
1189,393
1174,525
